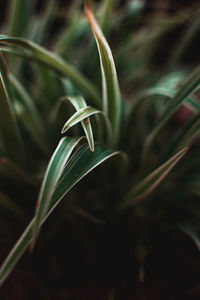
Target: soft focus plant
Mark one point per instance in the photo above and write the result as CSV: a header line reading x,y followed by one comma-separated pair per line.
x,y
51,85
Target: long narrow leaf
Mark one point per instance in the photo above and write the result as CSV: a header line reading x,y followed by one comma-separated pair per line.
x,y
52,175
9,127
111,92
20,16
80,165
82,111
30,116
56,62
190,84
149,183
79,116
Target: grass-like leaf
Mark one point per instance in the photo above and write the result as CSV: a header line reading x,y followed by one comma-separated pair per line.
x,y
52,175
79,166
83,112
30,115
106,15
9,127
187,136
149,183
56,62
190,84
80,116
20,16
111,92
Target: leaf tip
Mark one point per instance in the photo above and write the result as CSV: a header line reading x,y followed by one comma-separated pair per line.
x,y
64,129
89,14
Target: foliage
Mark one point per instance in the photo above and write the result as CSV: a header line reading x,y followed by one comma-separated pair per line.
x,y
137,115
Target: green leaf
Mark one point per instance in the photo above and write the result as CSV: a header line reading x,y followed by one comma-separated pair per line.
x,y
70,32
52,175
43,22
187,135
106,15
80,116
190,84
9,127
83,162
56,62
83,112
79,166
149,183
111,92
20,16
29,114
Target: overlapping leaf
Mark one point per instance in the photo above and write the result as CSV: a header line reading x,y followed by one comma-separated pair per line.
x,y
82,115
82,162
56,62
52,175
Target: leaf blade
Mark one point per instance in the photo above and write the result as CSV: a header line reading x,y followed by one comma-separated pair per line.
x,y
9,127
22,244
111,91
56,62
51,177
150,182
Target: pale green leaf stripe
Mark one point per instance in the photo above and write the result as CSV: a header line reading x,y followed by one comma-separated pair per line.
x,y
111,92
9,127
190,84
80,165
52,175
56,62
149,183
79,103
83,162
79,116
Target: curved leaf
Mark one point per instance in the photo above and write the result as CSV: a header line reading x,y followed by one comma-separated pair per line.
x,y
80,105
149,183
111,92
52,175
56,62
80,116
190,84
9,127
80,165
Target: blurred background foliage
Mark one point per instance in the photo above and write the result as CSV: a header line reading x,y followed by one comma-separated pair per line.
x,y
151,252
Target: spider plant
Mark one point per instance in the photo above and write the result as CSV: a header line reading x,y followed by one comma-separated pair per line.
x,y
59,121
